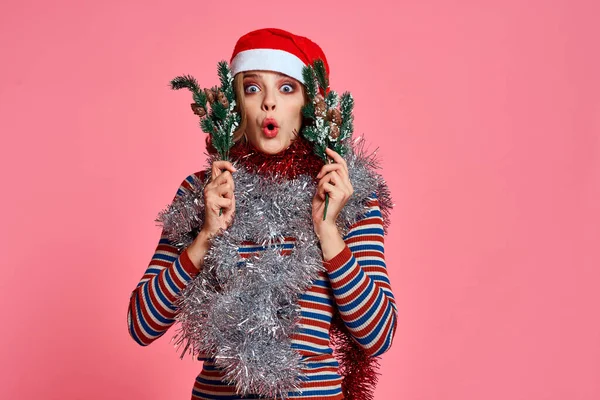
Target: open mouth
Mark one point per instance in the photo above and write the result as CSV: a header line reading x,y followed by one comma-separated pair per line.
x,y
270,127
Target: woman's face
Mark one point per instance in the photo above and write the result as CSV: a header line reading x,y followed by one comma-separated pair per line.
x,y
273,104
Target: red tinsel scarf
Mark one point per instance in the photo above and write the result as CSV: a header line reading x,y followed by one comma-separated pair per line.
x,y
299,158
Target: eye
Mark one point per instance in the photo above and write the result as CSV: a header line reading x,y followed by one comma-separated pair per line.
x,y
287,88
251,88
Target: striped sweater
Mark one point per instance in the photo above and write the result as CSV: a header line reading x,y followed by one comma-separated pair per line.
x,y
355,281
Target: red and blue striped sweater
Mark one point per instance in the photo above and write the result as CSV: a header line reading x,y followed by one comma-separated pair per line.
x,y
355,281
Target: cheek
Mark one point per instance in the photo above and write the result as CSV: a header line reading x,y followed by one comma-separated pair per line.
x,y
251,109
294,117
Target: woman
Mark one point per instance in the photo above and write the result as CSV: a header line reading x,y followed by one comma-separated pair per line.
x,y
353,284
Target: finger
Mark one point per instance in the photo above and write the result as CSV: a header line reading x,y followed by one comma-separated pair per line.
x,y
221,202
223,164
336,157
333,177
215,171
224,178
323,184
328,188
319,192
221,187
332,167
317,203
225,190
220,165
341,182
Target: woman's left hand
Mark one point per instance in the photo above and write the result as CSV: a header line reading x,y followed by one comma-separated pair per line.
x,y
334,180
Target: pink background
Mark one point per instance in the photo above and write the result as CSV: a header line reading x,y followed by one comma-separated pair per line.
x,y
487,115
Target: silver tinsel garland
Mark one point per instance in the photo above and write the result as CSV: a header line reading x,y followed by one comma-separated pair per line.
x,y
242,312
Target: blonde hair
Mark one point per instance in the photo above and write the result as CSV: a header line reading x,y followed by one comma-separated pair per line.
x,y
238,87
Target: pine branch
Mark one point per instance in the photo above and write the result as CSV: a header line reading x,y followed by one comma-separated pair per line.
x,y
200,98
221,121
346,105
185,81
218,111
223,71
310,133
226,81
331,100
308,74
207,126
308,110
325,132
321,73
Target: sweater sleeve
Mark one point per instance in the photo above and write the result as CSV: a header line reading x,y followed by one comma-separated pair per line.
x,y
361,286
152,307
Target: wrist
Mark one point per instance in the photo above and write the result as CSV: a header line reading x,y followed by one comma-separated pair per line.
x,y
331,241
197,250
203,236
327,230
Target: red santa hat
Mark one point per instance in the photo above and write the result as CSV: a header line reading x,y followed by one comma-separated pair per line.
x,y
272,49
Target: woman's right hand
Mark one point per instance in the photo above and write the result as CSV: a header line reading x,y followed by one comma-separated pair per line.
x,y
218,195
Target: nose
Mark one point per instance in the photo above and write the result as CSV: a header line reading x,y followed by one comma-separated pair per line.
x,y
268,101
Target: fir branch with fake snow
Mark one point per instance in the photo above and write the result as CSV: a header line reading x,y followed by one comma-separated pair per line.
x,y
331,117
221,121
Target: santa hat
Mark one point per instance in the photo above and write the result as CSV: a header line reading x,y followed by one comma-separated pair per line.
x,y
272,49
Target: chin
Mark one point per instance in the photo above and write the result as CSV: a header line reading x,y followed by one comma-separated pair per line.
x,y
272,146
